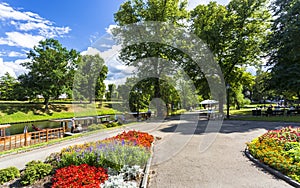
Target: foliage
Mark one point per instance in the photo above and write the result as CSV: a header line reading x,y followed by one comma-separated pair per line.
x,y
96,127
284,46
158,59
8,174
89,78
117,181
280,149
51,70
79,176
235,34
131,172
112,152
7,87
124,178
34,171
113,124
111,93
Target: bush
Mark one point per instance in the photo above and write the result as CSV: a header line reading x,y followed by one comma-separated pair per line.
x,y
8,174
79,176
96,127
113,124
35,170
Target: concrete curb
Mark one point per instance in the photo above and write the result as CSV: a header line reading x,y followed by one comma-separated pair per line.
x,y
271,170
147,169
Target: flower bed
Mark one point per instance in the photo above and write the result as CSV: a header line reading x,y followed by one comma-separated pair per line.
x,y
279,149
114,162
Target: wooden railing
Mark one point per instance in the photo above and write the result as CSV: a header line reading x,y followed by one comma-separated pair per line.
x,y
26,139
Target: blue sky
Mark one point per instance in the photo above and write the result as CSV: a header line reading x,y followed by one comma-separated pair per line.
x,y
77,24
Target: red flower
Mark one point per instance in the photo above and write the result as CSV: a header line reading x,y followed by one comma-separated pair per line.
x,y
79,176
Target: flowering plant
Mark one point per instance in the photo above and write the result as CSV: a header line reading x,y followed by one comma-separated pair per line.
x,y
79,176
280,149
286,134
137,137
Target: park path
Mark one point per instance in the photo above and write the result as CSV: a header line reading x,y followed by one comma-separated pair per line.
x,y
223,164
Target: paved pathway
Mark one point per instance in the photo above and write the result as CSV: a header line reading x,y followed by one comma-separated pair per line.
x,y
222,164
182,163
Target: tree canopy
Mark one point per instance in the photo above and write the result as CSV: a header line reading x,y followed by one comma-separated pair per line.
x,y
89,78
51,70
284,47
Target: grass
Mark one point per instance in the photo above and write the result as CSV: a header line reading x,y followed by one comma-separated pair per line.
x,y
246,115
13,112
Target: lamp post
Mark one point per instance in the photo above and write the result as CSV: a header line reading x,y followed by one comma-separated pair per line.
x,y
227,88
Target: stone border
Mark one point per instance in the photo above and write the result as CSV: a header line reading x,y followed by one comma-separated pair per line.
x,y
271,170
147,169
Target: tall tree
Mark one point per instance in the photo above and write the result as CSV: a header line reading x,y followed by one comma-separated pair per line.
x,y
234,33
89,79
7,86
284,46
51,70
133,11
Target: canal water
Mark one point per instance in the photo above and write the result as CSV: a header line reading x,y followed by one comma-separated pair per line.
x,y
18,128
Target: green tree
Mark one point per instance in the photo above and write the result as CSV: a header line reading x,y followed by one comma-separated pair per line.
x,y
235,34
7,87
51,70
89,80
284,47
162,62
111,92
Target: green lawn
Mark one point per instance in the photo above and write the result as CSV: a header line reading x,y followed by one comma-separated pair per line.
x,y
246,114
23,112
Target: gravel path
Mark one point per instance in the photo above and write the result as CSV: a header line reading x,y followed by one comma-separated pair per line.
x,y
178,161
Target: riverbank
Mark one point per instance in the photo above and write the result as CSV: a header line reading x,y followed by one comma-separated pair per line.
x,y
20,112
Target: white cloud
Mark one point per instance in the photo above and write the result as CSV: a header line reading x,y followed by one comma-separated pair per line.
x,y
20,39
13,68
16,54
90,51
24,22
7,12
110,28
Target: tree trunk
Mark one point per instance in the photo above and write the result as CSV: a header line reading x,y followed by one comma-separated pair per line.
x,y
46,103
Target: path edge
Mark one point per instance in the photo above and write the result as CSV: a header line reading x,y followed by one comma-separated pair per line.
x,y
271,170
147,169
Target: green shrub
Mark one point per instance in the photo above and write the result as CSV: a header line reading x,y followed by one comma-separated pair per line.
x,y
96,127
35,170
8,174
113,124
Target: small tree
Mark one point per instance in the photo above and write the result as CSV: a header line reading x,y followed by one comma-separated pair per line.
x,y
7,85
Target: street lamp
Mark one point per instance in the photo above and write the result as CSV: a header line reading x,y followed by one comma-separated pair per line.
x,y
227,89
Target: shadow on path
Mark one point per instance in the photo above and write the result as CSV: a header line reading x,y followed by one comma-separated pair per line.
x,y
230,126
